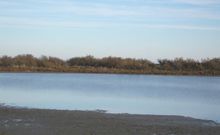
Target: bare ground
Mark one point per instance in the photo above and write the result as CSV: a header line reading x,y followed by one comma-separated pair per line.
x,y
21,121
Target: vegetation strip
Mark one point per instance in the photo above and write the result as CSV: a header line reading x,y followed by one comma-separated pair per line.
x,y
89,64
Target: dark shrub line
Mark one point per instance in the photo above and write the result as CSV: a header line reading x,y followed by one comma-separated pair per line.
x,y
90,64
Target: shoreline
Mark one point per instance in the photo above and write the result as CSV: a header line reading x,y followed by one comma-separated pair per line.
x,y
110,73
17,121
7,106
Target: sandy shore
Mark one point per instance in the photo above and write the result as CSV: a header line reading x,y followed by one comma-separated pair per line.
x,y
18,121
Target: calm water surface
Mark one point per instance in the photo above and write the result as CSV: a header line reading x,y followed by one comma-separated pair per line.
x,y
140,94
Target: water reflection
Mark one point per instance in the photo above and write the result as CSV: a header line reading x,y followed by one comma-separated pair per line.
x,y
171,95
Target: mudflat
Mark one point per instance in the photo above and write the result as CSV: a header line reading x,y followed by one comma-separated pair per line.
x,y
22,121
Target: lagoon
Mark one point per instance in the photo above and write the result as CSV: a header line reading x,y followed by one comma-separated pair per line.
x,y
191,96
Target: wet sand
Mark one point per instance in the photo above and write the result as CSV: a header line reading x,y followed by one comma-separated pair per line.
x,y
22,121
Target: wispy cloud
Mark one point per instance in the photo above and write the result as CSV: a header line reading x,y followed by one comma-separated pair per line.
x,y
183,27
199,2
33,23
102,10
68,13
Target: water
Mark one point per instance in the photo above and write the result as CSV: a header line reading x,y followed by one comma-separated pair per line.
x,y
197,97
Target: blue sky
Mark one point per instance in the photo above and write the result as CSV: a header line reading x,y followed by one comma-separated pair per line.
x,y
149,29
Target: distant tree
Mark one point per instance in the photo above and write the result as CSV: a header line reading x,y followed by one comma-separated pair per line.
x,y
52,62
111,62
83,61
43,61
6,61
25,60
213,64
165,64
56,62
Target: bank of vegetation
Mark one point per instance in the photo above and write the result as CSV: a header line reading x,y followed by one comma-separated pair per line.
x,y
90,64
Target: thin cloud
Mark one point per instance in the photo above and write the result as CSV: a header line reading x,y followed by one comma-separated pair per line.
x,y
183,27
49,12
114,11
199,2
26,22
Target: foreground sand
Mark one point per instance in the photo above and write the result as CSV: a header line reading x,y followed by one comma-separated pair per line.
x,y
14,121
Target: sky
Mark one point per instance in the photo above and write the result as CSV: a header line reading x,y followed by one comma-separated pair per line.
x,y
150,29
